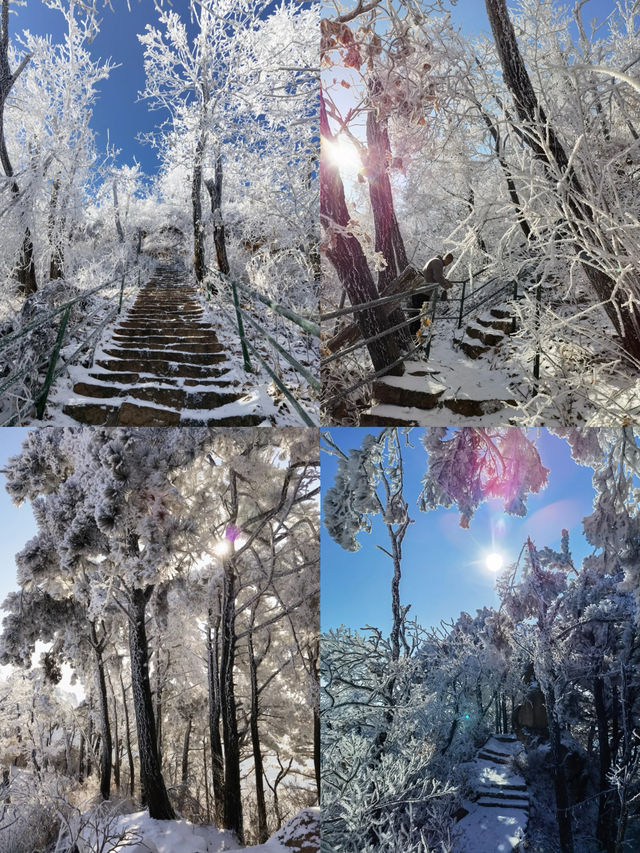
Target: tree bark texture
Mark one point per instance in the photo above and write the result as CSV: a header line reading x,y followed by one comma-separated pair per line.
x,y
25,271
103,710
345,254
184,771
196,206
263,832
156,794
128,739
214,188
215,742
548,149
605,828
56,262
388,239
232,818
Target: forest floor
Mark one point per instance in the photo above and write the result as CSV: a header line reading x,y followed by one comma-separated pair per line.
x,y
144,835
162,364
498,816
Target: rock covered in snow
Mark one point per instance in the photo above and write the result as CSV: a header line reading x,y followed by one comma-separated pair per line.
x,y
301,833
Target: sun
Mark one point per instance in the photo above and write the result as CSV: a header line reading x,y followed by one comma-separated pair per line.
x,y
223,547
343,153
494,562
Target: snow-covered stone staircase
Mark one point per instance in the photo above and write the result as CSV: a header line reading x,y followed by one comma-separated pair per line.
x,y
487,331
498,813
430,393
161,364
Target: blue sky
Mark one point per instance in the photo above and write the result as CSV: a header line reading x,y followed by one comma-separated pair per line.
x,y
444,570
17,524
117,114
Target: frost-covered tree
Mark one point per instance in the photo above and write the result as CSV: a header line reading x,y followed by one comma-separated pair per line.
x,y
561,648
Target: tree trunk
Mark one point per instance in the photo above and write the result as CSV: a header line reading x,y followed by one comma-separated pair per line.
x,y
388,239
232,817
217,760
25,271
345,254
605,829
81,759
158,711
56,263
151,774
128,739
263,832
206,779
89,742
185,753
547,148
214,187
565,828
103,709
196,205
116,213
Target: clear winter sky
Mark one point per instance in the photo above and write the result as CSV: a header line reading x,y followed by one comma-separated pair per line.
x,y
444,570
118,115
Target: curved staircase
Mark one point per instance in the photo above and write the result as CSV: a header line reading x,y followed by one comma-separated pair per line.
x,y
498,812
488,331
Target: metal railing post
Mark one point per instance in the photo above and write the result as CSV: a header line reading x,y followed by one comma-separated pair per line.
x,y
44,394
464,290
243,342
124,275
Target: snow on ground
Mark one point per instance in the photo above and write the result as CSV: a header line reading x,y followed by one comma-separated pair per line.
x,y
138,833
498,816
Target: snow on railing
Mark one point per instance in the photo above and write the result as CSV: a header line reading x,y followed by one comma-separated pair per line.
x,y
469,303
309,328
35,400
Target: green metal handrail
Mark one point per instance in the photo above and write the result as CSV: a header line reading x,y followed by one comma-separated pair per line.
x,y
39,400
304,322
241,314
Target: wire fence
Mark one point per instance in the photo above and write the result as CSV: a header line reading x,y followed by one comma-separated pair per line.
x,y
281,321
25,388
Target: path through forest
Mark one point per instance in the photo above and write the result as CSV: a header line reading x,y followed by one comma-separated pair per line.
x,y
161,364
498,817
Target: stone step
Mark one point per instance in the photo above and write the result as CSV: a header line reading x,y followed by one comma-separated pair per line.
x,y
128,379
388,415
470,408
174,398
501,313
490,803
161,313
188,333
474,351
491,757
167,356
504,792
231,420
488,337
507,738
408,390
161,327
161,368
504,326
174,346
128,414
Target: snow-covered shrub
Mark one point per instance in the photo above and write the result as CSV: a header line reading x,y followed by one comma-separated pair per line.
x,y
98,829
